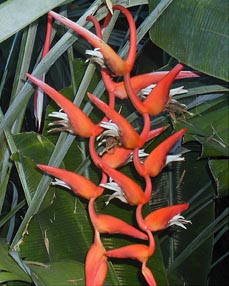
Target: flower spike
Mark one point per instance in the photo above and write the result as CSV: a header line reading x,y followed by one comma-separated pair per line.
x,y
78,184
112,60
165,217
156,161
129,138
77,121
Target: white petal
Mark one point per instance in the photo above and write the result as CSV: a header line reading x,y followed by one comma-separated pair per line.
x,y
179,221
174,158
147,90
59,114
141,153
118,193
178,90
94,53
112,186
61,183
110,126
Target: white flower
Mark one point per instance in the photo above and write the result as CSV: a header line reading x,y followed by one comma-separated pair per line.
x,y
141,154
112,129
174,158
61,183
96,57
178,90
174,91
146,91
64,122
179,220
118,193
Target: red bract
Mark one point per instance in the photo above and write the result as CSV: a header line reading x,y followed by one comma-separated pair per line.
x,y
164,217
79,185
109,224
96,263
131,190
141,81
148,275
138,252
112,60
79,123
155,162
128,136
117,157
158,98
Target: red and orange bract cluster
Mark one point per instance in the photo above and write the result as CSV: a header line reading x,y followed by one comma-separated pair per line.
x,y
74,120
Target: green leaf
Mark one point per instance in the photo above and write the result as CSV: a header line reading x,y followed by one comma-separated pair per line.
x,y
220,171
61,273
195,33
175,185
9,269
33,149
209,126
60,230
13,17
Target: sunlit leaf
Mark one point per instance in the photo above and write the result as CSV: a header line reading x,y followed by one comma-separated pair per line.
x,y
196,33
12,14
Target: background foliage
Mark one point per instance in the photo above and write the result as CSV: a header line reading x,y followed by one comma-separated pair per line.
x,y
45,232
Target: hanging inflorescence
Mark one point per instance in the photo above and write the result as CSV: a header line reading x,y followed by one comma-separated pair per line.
x,y
150,94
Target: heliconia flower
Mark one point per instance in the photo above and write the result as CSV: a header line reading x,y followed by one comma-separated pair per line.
x,y
165,217
158,98
78,184
156,160
96,266
74,119
110,224
112,60
142,81
131,190
128,136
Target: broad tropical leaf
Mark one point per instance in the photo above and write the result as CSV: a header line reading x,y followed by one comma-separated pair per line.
x,y
195,33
